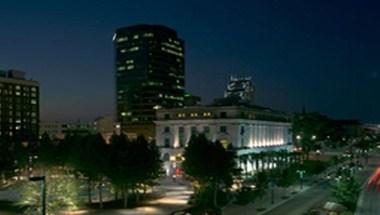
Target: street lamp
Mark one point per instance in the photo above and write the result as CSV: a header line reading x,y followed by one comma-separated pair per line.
x,y
43,191
298,137
273,184
301,175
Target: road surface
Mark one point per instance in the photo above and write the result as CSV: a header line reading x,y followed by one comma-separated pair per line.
x,y
304,201
368,203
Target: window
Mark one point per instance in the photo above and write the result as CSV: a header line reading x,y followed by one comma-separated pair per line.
x,y
167,116
242,130
122,39
193,114
223,115
206,114
167,142
181,129
223,129
206,129
148,35
193,130
133,49
181,115
167,129
181,136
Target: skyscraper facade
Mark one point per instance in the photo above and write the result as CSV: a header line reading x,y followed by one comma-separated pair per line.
x,y
19,106
150,69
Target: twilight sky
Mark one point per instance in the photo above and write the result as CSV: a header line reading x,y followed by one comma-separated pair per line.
x,y
320,54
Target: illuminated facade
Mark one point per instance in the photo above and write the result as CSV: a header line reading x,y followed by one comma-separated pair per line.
x,y
150,68
19,106
241,88
250,129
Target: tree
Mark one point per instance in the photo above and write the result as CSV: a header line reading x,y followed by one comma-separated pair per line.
x,y
286,178
6,159
262,184
132,163
346,192
210,164
47,152
88,158
61,194
307,128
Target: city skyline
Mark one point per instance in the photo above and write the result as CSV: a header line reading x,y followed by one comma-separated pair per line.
x,y
321,56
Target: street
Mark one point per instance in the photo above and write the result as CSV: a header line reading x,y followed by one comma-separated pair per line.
x,y
316,196
303,201
368,203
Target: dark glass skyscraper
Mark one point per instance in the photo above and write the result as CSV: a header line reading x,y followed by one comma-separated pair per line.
x,y
150,68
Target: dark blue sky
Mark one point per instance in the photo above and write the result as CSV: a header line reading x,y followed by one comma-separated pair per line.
x,y
324,55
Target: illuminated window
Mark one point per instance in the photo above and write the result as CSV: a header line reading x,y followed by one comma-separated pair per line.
x,y
121,39
129,61
148,35
133,49
120,68
171,52
172,46
206,114
136,36
181,115
130,67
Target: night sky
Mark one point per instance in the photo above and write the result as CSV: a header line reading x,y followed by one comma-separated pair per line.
x,y
324,55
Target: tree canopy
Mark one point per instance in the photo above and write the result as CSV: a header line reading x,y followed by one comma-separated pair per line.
x,y
209,164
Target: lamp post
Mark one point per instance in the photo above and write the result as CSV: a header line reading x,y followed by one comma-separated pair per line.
x,y
43,191
272,190
301,175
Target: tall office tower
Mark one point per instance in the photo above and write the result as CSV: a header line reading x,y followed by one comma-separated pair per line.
x,y
19,106
150,69
241,89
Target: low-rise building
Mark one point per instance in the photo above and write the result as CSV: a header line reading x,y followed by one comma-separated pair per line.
x,y
104,125
249,129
